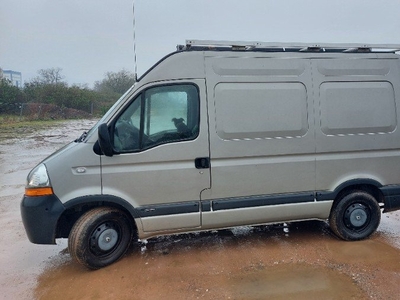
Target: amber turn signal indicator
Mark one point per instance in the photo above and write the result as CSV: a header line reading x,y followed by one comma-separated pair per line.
x,y
44,191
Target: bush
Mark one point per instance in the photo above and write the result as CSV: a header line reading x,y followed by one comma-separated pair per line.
x,y
47,96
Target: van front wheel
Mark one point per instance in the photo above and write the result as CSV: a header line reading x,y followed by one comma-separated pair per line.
x,y
356,216
100,237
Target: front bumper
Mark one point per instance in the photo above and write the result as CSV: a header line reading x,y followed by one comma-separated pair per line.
x,y
40,216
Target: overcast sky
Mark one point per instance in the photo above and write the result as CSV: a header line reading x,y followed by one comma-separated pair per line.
x,y
87,38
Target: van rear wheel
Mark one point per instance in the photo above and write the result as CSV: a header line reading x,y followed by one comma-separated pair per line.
x,y
356,216
100,237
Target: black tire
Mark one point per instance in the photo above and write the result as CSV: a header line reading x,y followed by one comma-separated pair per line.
x,y
100,237
356,216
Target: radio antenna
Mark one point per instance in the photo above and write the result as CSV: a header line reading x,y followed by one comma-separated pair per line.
x,y
134,40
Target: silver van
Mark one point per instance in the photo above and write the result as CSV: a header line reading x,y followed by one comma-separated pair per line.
x,y
223,134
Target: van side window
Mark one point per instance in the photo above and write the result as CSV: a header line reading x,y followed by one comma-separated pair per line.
x,y
159,115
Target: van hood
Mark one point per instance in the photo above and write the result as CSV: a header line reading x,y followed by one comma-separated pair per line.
x,y
60,151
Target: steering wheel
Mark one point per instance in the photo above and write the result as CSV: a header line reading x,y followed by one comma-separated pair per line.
x,y
128,135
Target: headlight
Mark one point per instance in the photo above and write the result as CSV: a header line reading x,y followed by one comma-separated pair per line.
x,y
38,183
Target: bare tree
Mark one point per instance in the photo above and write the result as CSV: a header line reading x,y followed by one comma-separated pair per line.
x,y
116,82
50,76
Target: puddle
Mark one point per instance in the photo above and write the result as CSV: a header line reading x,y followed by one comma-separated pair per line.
x,y
295,281
247,263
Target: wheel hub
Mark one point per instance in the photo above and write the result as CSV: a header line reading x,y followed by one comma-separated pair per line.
x,y
104,238
107,239
356,216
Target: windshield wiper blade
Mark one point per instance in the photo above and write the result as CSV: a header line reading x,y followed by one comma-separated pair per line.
x,y
82,137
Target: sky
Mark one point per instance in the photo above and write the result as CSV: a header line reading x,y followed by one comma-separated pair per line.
x,y
87,38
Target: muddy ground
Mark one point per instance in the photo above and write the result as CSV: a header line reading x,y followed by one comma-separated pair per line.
x,y
296,261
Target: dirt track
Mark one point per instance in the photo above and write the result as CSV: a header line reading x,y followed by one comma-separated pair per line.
x,y
297,261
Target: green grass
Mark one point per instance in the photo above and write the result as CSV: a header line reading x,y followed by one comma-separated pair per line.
x,y
7,121
14,126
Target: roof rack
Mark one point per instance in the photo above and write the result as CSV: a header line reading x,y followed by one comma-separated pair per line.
x,y
286,47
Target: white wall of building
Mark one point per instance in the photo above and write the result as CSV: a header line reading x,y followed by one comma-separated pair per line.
x,y
14,77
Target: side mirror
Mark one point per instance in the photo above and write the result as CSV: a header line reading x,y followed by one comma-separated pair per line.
x,y
105,140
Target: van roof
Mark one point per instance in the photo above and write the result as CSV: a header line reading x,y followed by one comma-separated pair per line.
x,y
193,51
210,45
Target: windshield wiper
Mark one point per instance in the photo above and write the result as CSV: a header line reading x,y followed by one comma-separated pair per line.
x,y
82,137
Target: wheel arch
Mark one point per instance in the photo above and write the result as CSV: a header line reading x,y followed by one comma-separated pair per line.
x,y
75,208
370,186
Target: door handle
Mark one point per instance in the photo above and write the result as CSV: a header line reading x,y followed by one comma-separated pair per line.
x,y
202,163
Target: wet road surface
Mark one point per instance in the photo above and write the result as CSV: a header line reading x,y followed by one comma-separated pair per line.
x,y
297,261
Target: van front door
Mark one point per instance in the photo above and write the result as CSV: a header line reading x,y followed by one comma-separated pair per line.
x,y
160,166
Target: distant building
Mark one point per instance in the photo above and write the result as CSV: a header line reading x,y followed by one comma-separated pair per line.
x,y
14,77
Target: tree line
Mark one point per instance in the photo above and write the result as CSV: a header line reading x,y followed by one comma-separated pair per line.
x,y
50,88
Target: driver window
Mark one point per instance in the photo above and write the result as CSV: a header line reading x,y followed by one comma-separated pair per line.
x,y
160,115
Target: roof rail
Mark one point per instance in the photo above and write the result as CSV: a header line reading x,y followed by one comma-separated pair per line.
x,y
287,47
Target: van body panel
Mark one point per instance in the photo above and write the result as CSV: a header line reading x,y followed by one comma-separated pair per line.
x,y
249,157
251,216
242,176
176,66
266,214
162,175
356,112
357,133
333,169
74,171
350,108
284,99
180,222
